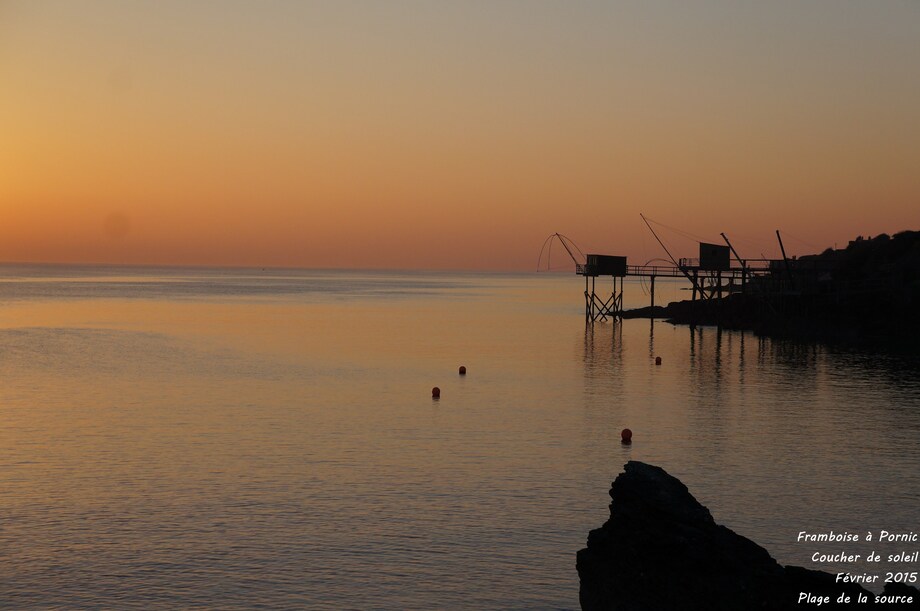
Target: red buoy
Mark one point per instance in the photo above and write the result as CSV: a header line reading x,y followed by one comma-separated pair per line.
x,y
658,360
626,436
435,392
462,370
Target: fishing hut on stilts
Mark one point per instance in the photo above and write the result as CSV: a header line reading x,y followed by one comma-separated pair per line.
x,y
711,276
596,306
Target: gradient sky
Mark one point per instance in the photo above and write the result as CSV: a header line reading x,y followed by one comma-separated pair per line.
x,y
403,134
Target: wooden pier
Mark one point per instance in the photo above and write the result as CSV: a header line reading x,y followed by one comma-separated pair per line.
x,y
708,280
712,277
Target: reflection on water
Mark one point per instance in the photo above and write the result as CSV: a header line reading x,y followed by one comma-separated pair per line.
x,y
229,439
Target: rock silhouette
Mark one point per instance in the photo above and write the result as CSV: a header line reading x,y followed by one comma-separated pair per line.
x,y
661,550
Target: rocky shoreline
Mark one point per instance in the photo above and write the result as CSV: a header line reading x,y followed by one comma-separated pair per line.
x,y
861,324
865,294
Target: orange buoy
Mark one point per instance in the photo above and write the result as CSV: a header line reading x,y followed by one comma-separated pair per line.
x,y
435,392
626,436
658,360
462,370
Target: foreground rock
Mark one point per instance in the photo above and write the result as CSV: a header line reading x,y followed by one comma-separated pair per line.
x,y
662,551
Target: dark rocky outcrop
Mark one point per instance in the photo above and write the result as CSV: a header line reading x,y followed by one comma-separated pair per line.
x,y
661,550
866,294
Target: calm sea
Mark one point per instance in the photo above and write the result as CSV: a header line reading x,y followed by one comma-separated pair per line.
x,y
266,439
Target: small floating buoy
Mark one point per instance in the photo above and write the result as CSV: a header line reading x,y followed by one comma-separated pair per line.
x,y
435,392
626,436
462,370
658,360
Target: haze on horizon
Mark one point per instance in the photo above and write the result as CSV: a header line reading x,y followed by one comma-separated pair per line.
x,y
450,135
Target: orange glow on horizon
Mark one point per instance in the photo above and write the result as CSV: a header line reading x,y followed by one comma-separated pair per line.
x,y
324,136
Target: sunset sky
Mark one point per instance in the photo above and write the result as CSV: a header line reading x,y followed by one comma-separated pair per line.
x,y
450,135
